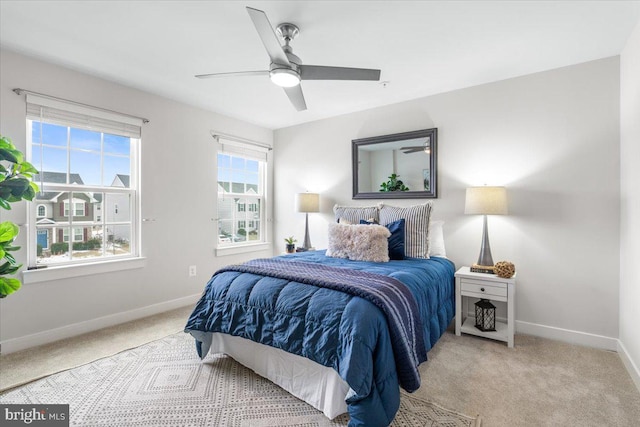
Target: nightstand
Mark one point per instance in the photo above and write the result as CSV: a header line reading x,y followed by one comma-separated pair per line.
x,y
488,286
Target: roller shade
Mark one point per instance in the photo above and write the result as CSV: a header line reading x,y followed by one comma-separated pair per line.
x,y
246,150
72,114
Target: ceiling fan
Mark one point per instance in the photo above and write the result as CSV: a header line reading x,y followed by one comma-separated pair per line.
x,y
426,147
286,68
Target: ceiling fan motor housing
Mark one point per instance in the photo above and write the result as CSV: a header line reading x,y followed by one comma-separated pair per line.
x,y
287,31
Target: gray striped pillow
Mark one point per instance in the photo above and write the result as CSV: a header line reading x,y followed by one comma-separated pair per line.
x,y
416,225
354,214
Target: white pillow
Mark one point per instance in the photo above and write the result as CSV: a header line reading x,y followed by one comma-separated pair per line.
x,y
436,239
416,227
354,214
359,242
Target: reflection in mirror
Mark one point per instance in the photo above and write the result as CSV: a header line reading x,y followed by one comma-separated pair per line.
x,y
398,166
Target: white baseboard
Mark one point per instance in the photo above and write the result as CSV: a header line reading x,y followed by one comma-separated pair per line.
x,y
51,335
628,363
567,335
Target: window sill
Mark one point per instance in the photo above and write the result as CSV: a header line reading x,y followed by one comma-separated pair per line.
x,y
66,271
243,249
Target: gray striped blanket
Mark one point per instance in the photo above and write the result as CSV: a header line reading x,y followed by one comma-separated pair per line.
x,y
391,296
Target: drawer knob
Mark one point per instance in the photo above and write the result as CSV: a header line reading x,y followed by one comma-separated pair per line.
x,y
482,289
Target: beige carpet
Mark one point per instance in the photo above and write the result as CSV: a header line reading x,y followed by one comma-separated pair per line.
x,y
27,365
538,383
164,383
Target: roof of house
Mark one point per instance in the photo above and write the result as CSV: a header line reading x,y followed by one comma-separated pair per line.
x,y
124,180
58,178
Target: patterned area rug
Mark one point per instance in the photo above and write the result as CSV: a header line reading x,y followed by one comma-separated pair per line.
x,y
164,383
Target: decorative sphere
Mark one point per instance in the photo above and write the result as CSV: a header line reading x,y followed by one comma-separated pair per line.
x,y
505,269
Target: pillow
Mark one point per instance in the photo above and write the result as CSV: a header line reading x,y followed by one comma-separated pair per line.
x,y
436,239
347,222
358,242
416,232
354,214
396,240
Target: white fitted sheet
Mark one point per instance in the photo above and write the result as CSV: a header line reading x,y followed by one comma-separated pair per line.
x,y
319,386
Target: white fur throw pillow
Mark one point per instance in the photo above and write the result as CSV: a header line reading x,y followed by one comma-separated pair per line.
x,y
359,242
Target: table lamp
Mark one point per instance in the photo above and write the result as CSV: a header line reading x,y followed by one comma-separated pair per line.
x,y
485,201
306,203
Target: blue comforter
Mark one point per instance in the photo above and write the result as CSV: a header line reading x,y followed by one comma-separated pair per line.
x,y
344,332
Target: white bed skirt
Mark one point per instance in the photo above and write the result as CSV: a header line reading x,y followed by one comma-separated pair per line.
x,y
319,386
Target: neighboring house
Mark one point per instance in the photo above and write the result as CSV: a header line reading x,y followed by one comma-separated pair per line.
x,y
239,219
117,209
54,208
86,209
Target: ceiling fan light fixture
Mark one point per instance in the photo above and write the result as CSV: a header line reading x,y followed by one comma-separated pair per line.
x,y
284,77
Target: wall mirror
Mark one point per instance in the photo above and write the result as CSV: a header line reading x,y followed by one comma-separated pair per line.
x,y
381,162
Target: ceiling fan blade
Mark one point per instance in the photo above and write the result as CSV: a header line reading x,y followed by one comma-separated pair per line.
x,y
296,97
413,147
234,74
319,72
268,36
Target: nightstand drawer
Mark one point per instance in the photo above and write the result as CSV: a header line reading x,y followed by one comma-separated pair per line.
x,y
482,288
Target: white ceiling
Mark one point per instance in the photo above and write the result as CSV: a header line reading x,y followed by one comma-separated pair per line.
x,y
422,47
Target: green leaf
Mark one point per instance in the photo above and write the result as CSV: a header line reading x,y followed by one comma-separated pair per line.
x,y
29,194
27,168
34,186
8,268
5,142
8,155
4,204
9,257
18,186
8,231
9,286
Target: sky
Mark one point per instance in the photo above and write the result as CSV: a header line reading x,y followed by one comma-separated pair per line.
x,y
95,158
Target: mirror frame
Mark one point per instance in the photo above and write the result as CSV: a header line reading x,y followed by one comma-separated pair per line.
x,y
431,194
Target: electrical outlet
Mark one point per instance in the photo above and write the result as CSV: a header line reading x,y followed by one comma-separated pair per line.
x,y
192,271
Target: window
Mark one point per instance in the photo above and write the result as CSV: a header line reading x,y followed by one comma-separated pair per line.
x,y
78,234
78,208
87,161
242,182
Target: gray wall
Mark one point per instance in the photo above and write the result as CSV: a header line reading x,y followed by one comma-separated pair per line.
x,y
178,191
630,206
551,138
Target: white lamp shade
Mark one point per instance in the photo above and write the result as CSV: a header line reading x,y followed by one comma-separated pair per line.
x,y
486,201
307,202
284,77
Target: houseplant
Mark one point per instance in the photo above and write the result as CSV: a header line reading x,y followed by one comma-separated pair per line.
x,y
393,184
291,244
15,185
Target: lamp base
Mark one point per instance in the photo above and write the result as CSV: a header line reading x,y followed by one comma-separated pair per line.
x,y
487,269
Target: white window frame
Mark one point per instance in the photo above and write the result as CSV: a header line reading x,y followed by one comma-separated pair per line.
x,y
44,208
76,204
254,151
65,234
41,108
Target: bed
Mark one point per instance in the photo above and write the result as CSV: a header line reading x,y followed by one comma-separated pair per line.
x,y
304,322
